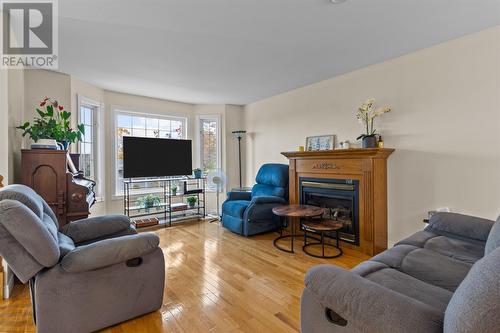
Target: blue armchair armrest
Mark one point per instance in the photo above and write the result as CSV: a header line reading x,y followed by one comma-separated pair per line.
x,y
239,196
268,199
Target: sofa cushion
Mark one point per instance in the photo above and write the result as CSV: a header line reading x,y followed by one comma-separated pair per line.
x,y
418,239
25,195
266,190
235,208
469,251
66,244
425,265
412,287
460,226
493,241
29,231
474,306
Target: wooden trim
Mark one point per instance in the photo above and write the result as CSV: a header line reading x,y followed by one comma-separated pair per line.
x,y
341,153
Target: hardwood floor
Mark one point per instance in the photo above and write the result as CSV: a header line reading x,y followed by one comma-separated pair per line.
x,y
216,281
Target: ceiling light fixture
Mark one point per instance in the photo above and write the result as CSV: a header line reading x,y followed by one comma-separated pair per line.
x,y
336,2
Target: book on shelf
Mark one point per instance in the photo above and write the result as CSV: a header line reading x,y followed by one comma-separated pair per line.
x,y
178,207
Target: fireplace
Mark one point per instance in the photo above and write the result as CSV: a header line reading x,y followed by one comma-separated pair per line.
x,y
339,197
352,184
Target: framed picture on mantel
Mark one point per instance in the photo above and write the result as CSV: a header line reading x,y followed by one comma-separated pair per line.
x,y
320,142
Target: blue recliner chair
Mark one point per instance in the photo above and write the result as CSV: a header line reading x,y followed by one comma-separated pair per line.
x,y
250,213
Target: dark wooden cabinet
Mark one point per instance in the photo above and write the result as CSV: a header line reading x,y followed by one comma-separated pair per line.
x,y
69,195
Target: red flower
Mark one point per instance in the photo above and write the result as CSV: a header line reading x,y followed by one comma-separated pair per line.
x,y
46,98
60,107
42,104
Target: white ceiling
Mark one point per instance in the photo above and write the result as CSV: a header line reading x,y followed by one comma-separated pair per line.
x,y
240,51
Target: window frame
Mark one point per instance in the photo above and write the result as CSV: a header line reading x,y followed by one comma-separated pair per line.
x,y
117,110
97,141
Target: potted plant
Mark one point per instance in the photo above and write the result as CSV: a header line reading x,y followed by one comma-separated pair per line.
x,y
53,124
149,201
366,115
191,201
174,190
197,173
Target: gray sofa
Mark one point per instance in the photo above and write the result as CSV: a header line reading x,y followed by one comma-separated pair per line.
x,y
85,276
443,279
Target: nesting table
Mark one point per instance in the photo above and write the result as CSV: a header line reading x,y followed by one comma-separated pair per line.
x,y
294,214
322,227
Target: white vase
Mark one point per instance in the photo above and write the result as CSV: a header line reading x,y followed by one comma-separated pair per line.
x,y
45,144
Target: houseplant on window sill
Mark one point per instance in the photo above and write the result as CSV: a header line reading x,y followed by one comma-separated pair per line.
x,y
52,125
366,115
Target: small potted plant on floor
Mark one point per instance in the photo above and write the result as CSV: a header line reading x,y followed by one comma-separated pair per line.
x,y
366,115
191,201
197,173
149,201
174,190
53,124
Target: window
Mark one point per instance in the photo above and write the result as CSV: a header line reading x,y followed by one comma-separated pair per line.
x,y
210,155
143,125
89,113
209,143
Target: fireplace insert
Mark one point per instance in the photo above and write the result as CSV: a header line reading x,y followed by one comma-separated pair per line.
x,y
340,199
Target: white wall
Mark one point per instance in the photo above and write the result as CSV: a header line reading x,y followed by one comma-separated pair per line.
x,y
445,126
16,97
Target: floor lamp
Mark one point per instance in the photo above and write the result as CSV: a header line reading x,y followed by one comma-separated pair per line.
x,y
239,135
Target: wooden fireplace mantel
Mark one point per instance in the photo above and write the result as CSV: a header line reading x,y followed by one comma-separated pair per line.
x,y
369,167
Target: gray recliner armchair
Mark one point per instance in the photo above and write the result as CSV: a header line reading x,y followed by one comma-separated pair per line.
x,y
85,276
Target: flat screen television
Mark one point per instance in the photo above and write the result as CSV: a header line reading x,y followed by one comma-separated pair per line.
x,y
151,157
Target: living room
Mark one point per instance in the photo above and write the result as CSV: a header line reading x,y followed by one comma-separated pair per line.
x,y
319,140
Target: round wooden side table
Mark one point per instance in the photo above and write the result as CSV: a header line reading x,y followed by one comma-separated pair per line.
x,y
292,212
322,227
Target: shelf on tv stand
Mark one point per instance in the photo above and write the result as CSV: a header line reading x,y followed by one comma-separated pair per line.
x,y
163,189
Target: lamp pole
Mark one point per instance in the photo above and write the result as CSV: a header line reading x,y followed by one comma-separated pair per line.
x,y
239,135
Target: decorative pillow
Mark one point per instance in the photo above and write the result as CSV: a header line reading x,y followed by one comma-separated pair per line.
x,y
493,241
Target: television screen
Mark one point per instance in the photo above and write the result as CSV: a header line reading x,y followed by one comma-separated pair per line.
x,y
150,157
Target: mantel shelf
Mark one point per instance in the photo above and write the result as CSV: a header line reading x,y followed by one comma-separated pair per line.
x,y
342,153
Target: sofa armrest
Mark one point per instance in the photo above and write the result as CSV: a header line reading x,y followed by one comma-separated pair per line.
x,y
268,199
463,226
368,306
239,196
109,252
97,227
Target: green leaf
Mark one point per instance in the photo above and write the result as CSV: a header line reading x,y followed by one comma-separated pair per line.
x,y
65,115
81,128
